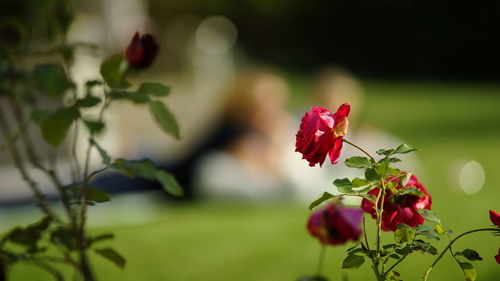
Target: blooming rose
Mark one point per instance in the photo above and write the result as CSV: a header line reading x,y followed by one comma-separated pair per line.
x,y
335,225
321,133
141,52
497,257
400,208
495,218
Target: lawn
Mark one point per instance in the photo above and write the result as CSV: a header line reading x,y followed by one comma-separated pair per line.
x,y
239,241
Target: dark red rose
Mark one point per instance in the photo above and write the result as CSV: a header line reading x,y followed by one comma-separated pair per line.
x,y
142,51
321,133
497,257
335,225
495,218
400,208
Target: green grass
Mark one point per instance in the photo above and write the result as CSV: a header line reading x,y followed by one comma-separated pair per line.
x,y
265,242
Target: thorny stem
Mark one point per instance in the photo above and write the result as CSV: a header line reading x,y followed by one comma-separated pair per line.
x,y
362,150
16,158
379,215
426,275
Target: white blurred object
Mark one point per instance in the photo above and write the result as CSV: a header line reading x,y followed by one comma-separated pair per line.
x,y
471,177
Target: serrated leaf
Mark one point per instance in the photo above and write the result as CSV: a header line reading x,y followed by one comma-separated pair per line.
x,y
154,89
97,195
343,185
411,191
424,247
112,255
165,118
51,79
391,160
353,261
106,159
358,162
324,197
369,197
55,128
403,149
429,216
469,271
404,234
471,255
169,183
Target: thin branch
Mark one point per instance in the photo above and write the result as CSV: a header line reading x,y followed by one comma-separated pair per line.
x,y
362,150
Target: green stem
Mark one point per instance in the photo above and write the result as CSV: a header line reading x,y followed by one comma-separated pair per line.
x,y
395,264
362,150
321,260
379,216
426,275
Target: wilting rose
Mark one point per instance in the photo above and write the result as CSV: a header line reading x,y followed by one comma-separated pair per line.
x,y
495,218
335,225
142,51
497,257
400,208
321,133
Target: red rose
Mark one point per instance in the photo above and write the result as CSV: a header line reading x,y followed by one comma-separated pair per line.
x,y
142,51
497,257
495,218
400,208
335,225
321,133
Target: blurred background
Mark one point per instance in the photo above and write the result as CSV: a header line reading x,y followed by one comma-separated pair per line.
x,y
242,74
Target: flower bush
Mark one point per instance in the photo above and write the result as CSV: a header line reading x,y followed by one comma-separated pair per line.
x,y
394,199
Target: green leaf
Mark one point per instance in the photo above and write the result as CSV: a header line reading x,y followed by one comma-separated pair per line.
x,y
353,261
51,79
133,168
394,276
439,229
404,234
324,197
112,255
88,101
154,89
369,197
471,255
112,73
64,237
429,216
358,162
97,195
343,185
106,159
381,169
95,127
39,114
371,175
135,97
384,151
100,237
169,183
424,247
411,191
357,182
391,160
427,231
165,118
313,278
405,178
403,149
469,271
55,128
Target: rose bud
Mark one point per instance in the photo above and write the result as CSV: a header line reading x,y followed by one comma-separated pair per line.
x,y
142,51
400,208
495,218
335,225
321,133
497,257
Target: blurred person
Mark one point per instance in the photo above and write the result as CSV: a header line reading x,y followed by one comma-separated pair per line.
x,y
333,87
249,166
